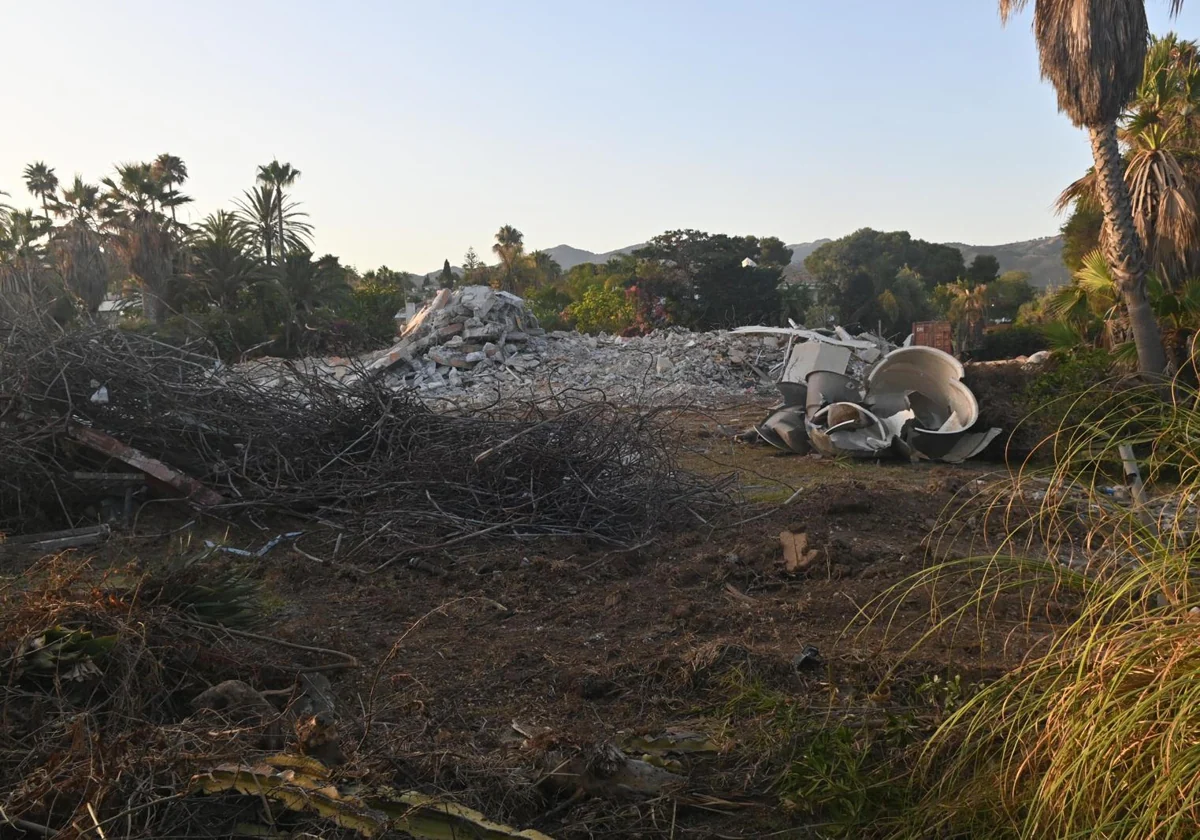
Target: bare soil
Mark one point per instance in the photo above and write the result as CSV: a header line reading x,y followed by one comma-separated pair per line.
x,y
580,646
488,669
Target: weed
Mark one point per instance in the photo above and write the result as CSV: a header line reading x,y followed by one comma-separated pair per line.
x,y
1097,731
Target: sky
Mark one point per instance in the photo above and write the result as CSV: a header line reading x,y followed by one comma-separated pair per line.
x,y
422,127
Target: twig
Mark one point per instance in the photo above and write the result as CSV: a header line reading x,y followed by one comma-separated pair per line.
x,y
348,660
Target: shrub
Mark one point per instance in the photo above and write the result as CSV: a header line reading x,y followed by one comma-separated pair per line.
x,y
370,314
549,305
1012,342
602,310
1096,733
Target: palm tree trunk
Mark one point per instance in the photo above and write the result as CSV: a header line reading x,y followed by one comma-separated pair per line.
x,y
1123,249
282,253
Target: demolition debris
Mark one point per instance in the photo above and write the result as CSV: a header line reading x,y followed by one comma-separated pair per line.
x,y
865,398
479,342
390,472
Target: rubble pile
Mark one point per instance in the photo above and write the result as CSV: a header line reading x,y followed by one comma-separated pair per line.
x,y
479,341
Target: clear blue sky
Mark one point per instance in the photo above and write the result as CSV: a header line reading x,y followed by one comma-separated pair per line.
x,y
421,127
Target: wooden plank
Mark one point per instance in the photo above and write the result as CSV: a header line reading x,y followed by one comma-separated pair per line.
x,y
108,445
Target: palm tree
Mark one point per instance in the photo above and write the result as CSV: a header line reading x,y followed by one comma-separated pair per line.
x,y
76,254
135,190
222,262
967,312
306,285
170,172
279,175
546,270
1159,132
510,247
1093,52
130,211
24,288
80,202
268,219
41,181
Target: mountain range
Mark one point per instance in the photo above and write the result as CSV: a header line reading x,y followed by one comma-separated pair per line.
x,y
1042,258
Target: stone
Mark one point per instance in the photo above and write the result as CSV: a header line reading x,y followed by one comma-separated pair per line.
x,y
448,359
488,332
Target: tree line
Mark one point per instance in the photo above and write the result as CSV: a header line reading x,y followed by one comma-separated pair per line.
x,y
244,277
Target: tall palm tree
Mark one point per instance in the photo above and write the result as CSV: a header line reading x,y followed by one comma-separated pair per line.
x,y
279,176
546,270
967,312
80,202
510,247
1160,134
130,212
41,181
1093,52
170,171
76,255
134,190
261,211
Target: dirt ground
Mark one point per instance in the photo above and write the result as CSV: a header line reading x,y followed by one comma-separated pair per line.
x,y
488,672
481,669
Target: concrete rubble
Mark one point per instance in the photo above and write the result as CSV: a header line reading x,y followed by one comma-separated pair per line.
x,y
478,343
844,394
864,397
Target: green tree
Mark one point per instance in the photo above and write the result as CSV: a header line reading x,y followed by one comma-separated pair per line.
x,y
705,281
259,209
129,210
852,273
42,183
1081,232
545,269
1160,137
279,176
773,253
602,309
983,269
170,171
510,248
80,202
1008,293
446,279
222,263
967,312
1094,54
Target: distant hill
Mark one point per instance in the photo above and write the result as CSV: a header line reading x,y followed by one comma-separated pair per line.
x,y
1042,258
569,257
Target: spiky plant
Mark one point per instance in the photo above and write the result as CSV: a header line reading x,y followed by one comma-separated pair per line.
x,y
1096,732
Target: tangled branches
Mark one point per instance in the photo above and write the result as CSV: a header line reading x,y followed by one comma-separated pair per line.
x,y
336,445
100,687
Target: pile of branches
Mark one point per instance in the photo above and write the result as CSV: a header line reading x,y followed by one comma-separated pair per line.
x,y
345,448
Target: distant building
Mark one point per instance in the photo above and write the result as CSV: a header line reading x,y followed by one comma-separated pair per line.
x,y
111,309
749,263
